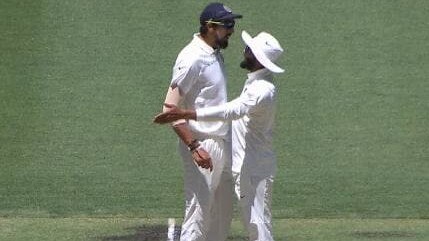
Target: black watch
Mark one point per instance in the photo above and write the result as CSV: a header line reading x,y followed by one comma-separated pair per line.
x,y
193,145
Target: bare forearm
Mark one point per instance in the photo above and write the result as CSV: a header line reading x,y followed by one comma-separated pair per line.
x,y
183,133
200,156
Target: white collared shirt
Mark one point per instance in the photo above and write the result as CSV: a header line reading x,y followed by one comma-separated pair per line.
x,y
253,115
200,75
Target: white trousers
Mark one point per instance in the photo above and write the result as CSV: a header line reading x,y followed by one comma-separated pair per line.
x,y
208,195
254,191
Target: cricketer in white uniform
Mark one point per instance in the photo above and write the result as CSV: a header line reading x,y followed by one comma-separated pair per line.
x,y
199,81
253,112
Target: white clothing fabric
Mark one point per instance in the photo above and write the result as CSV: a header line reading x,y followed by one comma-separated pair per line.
x,y
200,75
255,195
253,113
253,158
208,195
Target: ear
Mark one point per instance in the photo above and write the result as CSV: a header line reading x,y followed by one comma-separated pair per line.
x,y
211,26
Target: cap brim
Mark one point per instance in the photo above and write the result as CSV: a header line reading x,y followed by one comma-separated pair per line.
x,y
230,16
259,54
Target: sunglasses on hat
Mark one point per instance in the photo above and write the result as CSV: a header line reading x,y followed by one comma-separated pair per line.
x,y
226,24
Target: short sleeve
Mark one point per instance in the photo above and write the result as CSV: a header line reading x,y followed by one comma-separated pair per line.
x,y
185,74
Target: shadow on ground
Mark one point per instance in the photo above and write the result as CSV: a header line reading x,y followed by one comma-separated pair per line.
x,y
141,233
154,233
383,234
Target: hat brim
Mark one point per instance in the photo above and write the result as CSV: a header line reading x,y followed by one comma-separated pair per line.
x,y
229,16
259,54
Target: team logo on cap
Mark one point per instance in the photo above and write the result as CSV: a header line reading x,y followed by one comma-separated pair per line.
x,y
227,9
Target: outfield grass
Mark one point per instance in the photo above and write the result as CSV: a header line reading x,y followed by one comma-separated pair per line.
x,y
81,80
127,229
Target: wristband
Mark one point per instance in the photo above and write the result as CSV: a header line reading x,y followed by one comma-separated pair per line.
x,y
193,145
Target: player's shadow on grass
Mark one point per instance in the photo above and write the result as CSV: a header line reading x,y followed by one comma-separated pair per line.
x,y
154,233
142,233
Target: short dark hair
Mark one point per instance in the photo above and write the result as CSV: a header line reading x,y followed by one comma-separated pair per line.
x,y
203,29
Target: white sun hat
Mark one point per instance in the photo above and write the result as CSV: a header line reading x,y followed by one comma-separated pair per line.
x,y
265,48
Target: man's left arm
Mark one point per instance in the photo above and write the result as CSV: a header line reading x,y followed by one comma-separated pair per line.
x,y
246,103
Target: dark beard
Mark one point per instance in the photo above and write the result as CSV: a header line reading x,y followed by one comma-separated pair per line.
x,y
222,43
248,64
244,64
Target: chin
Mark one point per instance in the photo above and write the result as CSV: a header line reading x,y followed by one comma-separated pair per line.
x,y
223,44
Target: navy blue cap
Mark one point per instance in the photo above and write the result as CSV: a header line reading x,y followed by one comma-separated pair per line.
x,y
217,12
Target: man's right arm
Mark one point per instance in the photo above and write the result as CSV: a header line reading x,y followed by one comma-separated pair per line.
x,y
180,127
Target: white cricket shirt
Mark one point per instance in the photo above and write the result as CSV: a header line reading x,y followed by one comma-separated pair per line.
x,y
253,115
200,75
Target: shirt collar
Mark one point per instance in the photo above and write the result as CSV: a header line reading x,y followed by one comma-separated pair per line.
x,y
264,74
202,44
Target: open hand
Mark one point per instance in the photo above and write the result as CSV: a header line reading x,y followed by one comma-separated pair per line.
x,y
172,114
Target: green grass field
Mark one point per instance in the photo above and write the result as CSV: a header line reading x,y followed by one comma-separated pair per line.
x,y
81,80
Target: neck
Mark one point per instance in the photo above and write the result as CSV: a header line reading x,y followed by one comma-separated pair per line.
x,y
210,40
